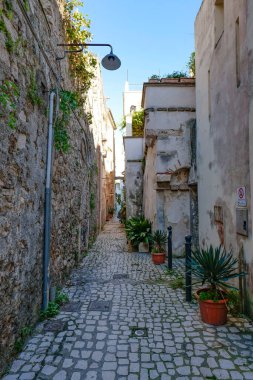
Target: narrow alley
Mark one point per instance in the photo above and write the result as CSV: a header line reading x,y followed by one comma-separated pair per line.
x,y
124,321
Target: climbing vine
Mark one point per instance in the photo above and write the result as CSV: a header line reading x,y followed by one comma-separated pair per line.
x,y
69,101
9,93
77,31
32,92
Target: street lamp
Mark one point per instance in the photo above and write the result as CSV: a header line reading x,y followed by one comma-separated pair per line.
x,y
109,62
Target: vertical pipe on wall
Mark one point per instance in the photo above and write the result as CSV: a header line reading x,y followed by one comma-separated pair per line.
x,y
47,211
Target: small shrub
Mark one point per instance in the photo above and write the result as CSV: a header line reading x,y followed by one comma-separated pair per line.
x,y
54,306
178,282
23,335
234,304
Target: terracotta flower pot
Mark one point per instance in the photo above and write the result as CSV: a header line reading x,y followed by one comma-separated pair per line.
x,y
158,258
212,312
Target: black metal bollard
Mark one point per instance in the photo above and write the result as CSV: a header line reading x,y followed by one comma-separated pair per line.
x,y
169,247
188,274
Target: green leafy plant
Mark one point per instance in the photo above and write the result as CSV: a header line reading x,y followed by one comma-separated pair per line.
x,y
191,64
154,76
26,5
76,27
176,74
9,42
24,333
32,93
138,230
214,267
122,125
138,123
69,101
9,93
234,304
54,306
178,282
61,298
122,213
92,201
159,240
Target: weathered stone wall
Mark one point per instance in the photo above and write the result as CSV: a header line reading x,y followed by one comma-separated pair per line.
x,y
224,131
134,175
36,32
169,149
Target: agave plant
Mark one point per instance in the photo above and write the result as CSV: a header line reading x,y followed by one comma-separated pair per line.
x,y
215,267
159,240
138,230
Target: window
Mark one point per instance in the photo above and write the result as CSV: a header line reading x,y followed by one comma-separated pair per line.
x,y
219,20
237,52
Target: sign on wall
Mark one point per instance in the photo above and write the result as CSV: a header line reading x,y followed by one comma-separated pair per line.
x,y
241,196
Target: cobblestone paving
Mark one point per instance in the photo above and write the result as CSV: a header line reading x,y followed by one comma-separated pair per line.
x,y
88,344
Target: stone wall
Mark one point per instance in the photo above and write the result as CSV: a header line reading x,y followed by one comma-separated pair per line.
x,y
36,29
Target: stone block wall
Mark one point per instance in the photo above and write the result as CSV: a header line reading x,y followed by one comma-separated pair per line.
x,y
35,28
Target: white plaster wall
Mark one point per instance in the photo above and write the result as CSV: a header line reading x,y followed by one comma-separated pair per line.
x,y
173,153
131,98
134,187
161,95
177,215
223,140
158,121
133,148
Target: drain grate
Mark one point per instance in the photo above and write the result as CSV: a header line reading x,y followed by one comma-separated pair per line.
x,y
55,326
100,306
138,332
120,276
72,307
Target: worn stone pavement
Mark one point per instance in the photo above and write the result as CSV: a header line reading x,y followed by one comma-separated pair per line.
x,y
102,345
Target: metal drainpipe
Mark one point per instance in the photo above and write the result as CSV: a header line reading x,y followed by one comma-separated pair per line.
x,y
47,212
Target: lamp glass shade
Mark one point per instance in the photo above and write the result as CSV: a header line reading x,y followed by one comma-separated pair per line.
x,y
111,62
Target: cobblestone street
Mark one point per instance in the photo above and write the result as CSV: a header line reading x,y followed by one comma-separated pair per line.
x,y
83,342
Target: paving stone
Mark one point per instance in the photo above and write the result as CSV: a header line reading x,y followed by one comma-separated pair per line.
x,y
27,376
108,375
48,370
109,366
100,344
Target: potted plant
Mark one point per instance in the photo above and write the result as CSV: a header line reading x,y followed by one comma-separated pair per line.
x,y
138,231
214,267
159,240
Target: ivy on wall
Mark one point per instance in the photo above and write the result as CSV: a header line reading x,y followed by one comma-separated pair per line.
x,y
68,103
76,27
9,93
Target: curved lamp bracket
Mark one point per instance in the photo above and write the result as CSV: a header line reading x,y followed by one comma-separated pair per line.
x,y
109,62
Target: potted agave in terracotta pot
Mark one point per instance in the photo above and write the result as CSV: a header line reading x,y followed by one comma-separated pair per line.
x,y
158,250
214,267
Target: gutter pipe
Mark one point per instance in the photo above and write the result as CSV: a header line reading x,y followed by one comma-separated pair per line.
x,y
47,212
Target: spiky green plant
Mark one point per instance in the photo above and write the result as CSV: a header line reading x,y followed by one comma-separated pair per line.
x,y
159,240
138,230
215,267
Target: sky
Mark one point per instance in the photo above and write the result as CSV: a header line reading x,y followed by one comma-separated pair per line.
x,y
149,36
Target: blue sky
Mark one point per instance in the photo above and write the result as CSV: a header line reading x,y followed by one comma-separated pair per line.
x,y
150,37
